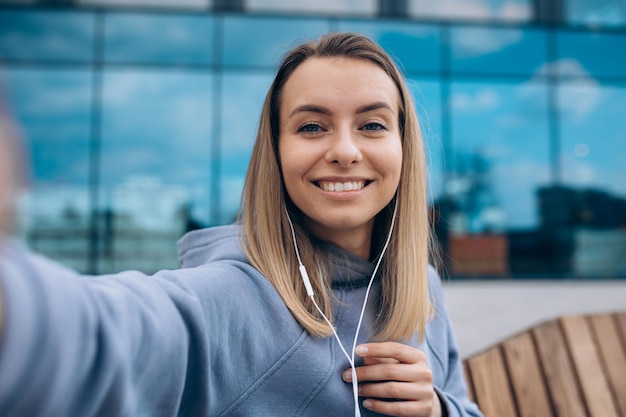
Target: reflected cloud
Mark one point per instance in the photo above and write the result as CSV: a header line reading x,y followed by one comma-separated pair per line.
x,y
175,110
167,39
162,3
474,42
579,99
325,6
474,9
483,99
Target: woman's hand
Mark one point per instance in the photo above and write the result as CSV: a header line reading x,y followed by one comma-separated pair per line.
x,y
395,380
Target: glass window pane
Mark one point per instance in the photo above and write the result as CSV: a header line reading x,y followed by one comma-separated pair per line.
x,y
595,12
251,41
593,132
46,35
501,152
584,54
592,200
359,7
54,110
512,51
178,4
155,165
166,39
242,101
500,10
500,159
427,96
414,46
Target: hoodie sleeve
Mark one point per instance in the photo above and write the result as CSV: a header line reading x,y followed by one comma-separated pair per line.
x,y
85,346
451,387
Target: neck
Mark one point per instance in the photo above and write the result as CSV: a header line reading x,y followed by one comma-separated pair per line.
x,y
357,241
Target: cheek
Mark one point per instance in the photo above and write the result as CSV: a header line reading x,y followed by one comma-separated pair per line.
x,y
289,164
394,162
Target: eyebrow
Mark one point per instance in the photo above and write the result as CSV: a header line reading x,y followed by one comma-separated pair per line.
x,y
310,108
323,110
374,106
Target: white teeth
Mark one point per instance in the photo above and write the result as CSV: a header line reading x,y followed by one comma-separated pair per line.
x,y
342,186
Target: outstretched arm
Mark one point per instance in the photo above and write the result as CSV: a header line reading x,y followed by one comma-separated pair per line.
x,y
87,346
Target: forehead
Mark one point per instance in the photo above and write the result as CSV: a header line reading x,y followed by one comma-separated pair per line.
x,y
337,80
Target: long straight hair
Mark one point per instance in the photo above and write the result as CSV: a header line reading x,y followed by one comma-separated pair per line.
x,y
267,241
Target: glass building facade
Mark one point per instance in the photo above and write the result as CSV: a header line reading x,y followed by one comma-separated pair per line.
x,y
140,122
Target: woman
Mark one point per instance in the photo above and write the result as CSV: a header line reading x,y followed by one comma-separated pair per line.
x,y
320,303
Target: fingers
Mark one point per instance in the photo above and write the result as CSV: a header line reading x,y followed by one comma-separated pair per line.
x,y
404,408
391,350
393,371
388,361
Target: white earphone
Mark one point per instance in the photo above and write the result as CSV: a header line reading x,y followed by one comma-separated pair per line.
x,y
309,290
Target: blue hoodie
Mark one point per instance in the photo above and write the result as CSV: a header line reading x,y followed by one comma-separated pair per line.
x,y
211,339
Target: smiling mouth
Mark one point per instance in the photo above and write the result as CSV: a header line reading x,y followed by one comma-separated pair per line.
x,y
342,186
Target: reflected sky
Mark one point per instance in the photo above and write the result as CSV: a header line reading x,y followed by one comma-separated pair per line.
x,y
242,100
158,125
261,41
427,96
506,10
361,7
597,54
511,51
596,12
593,131
46,35
507,125
415,47
164,39
54,110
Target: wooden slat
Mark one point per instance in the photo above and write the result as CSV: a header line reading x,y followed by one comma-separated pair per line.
x,y
620,319
526,378
491,384
468,381
586,360
609,345
558,370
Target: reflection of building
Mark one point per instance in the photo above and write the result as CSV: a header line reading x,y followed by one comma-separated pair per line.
x,y
107,92
582,233
484,255
566,207
55,221
138,230
599,253
585,230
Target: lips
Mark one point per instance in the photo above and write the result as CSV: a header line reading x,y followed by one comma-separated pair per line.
x,y
342,186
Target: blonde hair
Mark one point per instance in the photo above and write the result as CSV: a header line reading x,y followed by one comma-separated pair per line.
x,y
267,241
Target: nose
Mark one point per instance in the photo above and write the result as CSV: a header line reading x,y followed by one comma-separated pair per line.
x,y
344,149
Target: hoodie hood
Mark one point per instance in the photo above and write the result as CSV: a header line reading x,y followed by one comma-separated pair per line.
x,y
203,246
223,243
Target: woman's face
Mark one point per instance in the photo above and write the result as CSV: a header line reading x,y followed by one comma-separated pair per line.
x,y
340,147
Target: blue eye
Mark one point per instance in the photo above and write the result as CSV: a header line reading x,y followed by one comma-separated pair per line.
x,y
310,128
372,127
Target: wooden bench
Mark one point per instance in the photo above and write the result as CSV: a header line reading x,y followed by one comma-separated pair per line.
x,y
573,366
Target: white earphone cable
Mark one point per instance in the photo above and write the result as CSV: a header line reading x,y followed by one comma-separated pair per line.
x,y
309,288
